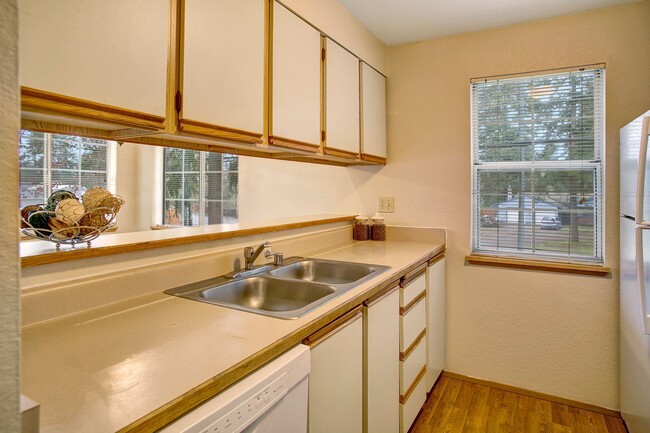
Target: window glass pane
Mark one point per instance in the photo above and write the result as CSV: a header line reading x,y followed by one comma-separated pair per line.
x,y
32,150
200,187
65,152
537,177
94,156
32,187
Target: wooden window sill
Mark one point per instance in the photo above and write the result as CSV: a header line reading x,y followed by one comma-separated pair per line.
x,y
538,265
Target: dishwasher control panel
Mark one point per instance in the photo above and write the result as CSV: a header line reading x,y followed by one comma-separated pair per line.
x,y
241,416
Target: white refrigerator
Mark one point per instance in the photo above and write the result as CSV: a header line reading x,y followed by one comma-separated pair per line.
x,y
635,275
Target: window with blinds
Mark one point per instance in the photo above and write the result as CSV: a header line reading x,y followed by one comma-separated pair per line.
x,y
48,162
200,188
538,171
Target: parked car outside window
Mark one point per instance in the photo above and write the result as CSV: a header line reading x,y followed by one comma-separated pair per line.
x,y
550,223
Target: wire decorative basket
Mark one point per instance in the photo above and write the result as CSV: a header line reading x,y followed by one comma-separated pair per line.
x,y
64,230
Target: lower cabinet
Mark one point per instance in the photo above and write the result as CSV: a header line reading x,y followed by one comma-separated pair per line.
x,y
336,378
381,345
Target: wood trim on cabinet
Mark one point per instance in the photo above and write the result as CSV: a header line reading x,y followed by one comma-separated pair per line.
x,y
403,311
539,265
175,63
332,151
409,391
435,259
534,394
332,328
53,102
413,275
381,295
202,128
293,144
373,158
404,355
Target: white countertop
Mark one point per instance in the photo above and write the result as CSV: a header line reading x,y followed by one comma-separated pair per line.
x,y
103,369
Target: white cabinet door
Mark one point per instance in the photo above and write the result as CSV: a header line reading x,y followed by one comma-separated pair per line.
x,y
336,379
108,52
296,67
223,72
382,363
373,96
435,321
341,99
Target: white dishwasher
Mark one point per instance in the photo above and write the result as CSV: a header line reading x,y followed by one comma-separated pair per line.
x,y
272,399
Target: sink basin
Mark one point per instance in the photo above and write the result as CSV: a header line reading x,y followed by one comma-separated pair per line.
x,y
267,294
324,271
285,292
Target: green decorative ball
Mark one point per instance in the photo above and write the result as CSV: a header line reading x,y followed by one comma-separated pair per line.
x,y
58,196
40,220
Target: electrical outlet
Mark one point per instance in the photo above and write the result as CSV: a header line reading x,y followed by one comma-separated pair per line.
x,y
387,204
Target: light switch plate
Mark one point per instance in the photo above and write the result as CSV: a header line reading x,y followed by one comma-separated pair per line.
x,y
387,204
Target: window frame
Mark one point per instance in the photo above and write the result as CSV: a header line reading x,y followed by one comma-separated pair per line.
x,y
598,164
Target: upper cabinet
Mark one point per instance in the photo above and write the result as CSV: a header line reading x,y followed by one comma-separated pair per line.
x,y
97,59
341,81
296,82
222,82
373,103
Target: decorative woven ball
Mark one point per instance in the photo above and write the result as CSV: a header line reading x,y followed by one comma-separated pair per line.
x,y
93,198
61,230
26,211
93,218
58,196
69,210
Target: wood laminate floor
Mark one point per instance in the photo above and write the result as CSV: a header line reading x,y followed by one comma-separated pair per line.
x,y
456,406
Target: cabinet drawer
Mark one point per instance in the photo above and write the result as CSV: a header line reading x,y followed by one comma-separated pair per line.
x,y
411,290
410,367
412,324
412,403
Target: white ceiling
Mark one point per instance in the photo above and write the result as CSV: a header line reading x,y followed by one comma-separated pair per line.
x,y
400,21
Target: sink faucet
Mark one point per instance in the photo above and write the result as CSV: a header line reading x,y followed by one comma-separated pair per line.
x,y
251,254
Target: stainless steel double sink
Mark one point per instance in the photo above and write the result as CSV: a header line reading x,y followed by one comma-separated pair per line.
x,y
286,292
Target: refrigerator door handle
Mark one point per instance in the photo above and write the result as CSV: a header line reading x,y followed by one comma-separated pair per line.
x,y
640,177
640,274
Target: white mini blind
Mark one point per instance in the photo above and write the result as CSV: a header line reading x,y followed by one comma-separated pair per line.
x,y
49,162
538,172
200,188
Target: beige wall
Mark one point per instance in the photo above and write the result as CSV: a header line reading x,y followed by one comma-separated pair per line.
x,y
9,268
552,333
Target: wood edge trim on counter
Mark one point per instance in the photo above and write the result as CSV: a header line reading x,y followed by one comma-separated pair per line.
x,y
373,158
381,295
404,398
538,265
332,328
202,128
403,311
178,407
100,251
436,259
403,356
534,394
414,274
293,144
340,152
54,102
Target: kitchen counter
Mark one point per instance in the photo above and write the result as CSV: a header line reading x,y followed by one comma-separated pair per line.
x,y
137,364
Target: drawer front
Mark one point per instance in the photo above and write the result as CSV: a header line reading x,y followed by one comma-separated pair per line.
x,y
412,365
412,290
412,324
409,410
